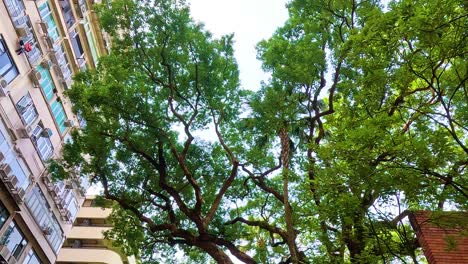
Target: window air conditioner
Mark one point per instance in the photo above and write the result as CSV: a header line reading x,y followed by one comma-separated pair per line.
x,y
69,123
83,10
47,132
3,83
49,42
47,64
44,27
5,171
35,77
64,84
76,244
53,58
23,132
11,182
3,87
22,31
18,195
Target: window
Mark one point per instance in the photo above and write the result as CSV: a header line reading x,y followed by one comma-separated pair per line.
x,y
91,41
17,164
4,214
14,240
76,44
46,83
16,10
31,258
45,218
40,137
46,15
27,109
71,203
8,68
59,115
63,62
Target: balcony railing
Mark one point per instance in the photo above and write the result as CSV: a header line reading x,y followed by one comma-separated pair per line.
x,y
15,175
63,197
58,58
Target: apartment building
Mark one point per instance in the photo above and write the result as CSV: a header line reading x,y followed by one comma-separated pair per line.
x,y
42,44
86,243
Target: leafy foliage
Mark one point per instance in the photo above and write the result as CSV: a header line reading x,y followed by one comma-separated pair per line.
x,y
364,117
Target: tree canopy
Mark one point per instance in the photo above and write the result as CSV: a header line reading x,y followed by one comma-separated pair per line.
x,y
365,116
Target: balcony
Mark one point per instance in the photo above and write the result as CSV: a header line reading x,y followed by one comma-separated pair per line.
x,y
64,198
45,219
88,255
78,49
53,42
24,29
14,173
87,232
94,212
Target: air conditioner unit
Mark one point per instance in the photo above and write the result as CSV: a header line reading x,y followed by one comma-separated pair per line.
x,y
86,222
35,77
47,64
44,27
22,31
5,252
23,132
3,83
49,42
83,10
18,195
53,58
56,191
64,84
76,244
3,87
49,186
12,134
68,216
5,171
69,123
47,132
11,182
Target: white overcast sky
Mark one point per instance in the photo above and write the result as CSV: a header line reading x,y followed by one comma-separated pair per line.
x,y
250,20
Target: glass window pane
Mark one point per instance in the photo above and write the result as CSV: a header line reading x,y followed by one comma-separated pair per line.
x,y
46,83
4,214
8,68
31,258
44,217
14,240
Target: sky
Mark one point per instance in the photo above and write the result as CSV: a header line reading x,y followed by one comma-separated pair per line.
x,y
251,21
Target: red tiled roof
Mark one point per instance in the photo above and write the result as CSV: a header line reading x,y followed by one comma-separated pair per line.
x,y
442,235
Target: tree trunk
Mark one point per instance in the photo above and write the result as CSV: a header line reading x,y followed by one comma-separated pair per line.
x,y
285,149
215,252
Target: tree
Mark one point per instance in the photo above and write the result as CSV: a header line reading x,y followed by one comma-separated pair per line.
x,y
165,78
377,134
365,114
